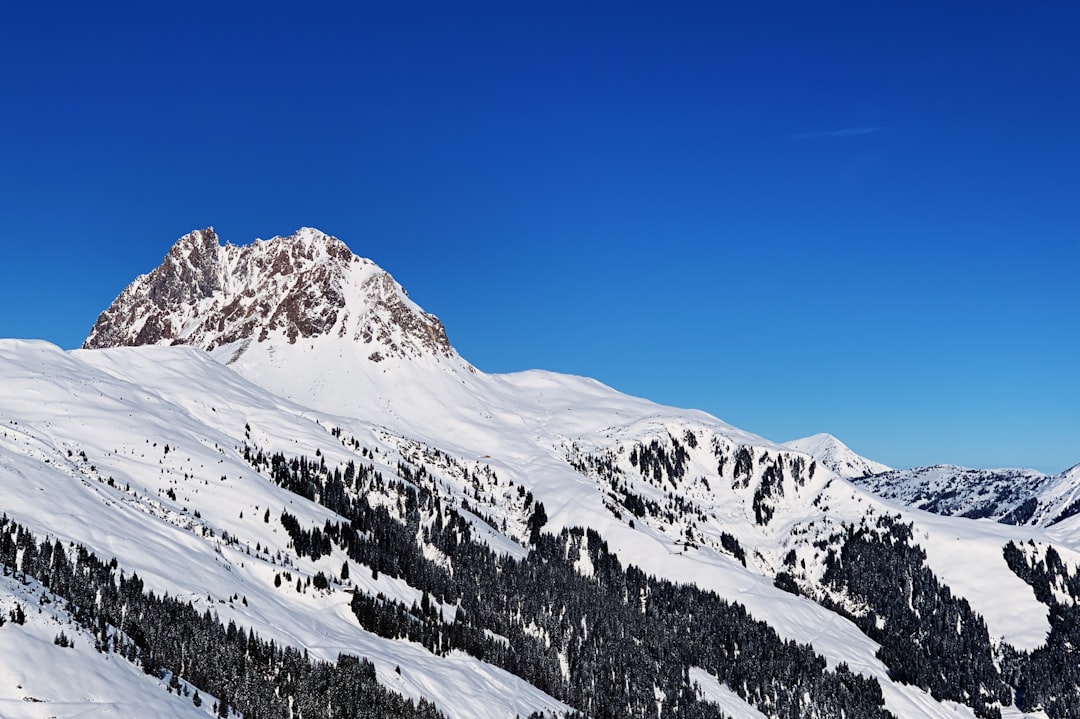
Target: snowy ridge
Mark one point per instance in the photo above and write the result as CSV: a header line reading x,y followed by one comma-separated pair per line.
x,y
1011,496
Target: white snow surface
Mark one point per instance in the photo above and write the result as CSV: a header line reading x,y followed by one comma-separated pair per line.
x,y
711,689
40,679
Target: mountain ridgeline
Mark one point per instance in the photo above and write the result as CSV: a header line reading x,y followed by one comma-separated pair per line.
x,y
1011,496
275,489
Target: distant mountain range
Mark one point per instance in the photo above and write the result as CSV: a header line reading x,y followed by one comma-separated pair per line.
x,y
270,481
1012,496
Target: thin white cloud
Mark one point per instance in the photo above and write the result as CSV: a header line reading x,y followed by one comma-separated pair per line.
x,y
842,132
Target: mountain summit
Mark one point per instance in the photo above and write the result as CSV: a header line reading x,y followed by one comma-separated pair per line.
x,y
837,456
285,289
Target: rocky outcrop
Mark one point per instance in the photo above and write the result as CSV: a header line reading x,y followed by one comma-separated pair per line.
x,y
288,288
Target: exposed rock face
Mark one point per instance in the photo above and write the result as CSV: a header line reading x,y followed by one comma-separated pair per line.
x,y
305,285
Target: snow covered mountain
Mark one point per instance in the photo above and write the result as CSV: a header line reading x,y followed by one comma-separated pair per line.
x,y
276,438
836,456
1012,496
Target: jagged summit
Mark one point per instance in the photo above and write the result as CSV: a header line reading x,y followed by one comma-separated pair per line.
x,y
306,285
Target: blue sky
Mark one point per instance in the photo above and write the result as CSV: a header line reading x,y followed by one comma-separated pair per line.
x,y
856,218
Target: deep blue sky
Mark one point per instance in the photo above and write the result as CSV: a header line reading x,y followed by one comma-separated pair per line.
x,y
859,218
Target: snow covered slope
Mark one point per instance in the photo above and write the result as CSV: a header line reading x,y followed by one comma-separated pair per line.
x,y
49,668
136,455
123,407
318,357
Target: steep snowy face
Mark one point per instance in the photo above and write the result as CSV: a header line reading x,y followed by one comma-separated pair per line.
x,y
835,455
288,288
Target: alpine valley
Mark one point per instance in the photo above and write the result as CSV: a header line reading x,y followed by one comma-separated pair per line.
x,y
269,486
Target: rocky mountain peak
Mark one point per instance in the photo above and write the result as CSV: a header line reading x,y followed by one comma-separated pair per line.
x,y
300,252
188,272
197,243
308,284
